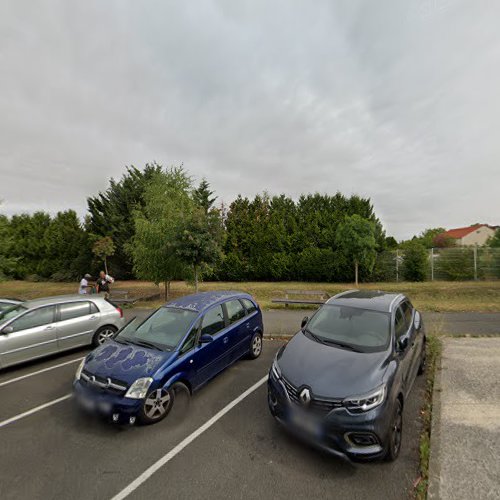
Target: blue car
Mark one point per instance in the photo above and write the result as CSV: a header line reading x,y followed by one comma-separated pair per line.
x,y
139,374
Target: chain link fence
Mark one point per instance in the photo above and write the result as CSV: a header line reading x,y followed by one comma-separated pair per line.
x,y
444,264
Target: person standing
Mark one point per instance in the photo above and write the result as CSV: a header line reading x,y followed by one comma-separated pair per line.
x,y
85,287
103,283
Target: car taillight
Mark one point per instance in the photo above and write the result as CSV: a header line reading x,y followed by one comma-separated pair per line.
x,y
120,310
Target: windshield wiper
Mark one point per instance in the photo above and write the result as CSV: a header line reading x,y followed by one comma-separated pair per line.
x,y
314,336
121,340
145,343
341,344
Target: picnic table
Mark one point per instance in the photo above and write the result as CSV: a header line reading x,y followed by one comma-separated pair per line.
x,y
318,297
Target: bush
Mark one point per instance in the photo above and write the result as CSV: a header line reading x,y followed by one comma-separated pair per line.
x,y
455,264
414,266
34,278
316,264
62,277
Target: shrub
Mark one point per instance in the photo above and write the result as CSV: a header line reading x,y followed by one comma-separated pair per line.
x,y
414,266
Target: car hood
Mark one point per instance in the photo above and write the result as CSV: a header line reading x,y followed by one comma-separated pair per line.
x,y
330,371
125,362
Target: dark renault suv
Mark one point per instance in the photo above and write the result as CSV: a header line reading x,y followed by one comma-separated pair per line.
x,y
342,381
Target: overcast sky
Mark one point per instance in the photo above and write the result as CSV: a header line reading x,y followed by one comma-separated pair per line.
x,y
395,100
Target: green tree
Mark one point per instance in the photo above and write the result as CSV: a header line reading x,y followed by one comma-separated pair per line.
x,y
414,266
199,240
355,239
111,213
203,196
104,248
167,205
494,241
7,262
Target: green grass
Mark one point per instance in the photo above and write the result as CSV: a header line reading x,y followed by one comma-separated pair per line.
x,y
439,296
433,356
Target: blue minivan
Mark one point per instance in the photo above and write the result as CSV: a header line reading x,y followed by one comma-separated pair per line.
x,y
150,363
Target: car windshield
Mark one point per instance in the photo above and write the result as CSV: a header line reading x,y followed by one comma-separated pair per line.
x,y
164,329
11,312
350,327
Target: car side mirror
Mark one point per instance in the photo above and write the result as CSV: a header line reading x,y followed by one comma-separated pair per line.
x,y
8,329
206,338
417,322
305,319
403,343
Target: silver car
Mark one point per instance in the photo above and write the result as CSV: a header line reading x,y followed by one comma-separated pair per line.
x,y
41,327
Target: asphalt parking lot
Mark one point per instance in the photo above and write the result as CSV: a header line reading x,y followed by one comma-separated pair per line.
x,y
57,452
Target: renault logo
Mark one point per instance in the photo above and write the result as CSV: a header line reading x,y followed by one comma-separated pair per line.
x,y
305,396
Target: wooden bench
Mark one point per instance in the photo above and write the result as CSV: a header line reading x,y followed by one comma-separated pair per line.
x,y
322,297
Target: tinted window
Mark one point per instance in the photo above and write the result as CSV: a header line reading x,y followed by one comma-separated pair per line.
x,y
249,305
74,310
408,312
33,319
400,323
235,311
361,329
191,340
164,329
93,308
213,321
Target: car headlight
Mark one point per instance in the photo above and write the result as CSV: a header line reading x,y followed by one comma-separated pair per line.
x,y
360,404
78,373
275,369
139,388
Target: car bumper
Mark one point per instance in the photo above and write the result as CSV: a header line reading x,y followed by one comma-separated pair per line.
x,y
338,432
113,407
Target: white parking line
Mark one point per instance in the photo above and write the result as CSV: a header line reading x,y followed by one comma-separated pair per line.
x,y
22,377
33,410
174,451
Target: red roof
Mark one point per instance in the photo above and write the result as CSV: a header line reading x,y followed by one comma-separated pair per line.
x,y
460,232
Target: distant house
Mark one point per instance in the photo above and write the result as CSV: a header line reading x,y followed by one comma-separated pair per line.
x,y
476,235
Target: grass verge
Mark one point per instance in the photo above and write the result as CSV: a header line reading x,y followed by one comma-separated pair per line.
x,y
433,355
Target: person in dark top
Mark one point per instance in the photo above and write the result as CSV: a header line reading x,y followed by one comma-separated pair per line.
x,y
103,283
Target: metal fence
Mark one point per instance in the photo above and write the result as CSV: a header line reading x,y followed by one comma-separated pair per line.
x,y
446,264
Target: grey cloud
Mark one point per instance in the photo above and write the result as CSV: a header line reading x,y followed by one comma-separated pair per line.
x,y
392,100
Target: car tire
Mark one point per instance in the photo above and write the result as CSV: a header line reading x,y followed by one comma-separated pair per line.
x,y
423,359
160,402
395,433
104,333
255,346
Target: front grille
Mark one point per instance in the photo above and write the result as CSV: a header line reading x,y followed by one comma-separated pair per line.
x,y
319,405
103,384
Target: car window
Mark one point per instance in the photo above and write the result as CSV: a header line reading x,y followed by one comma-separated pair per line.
x,y
399,323
408,312
93,308
33,319
249,306
361,329
74,310
235,311
213,321
190,342
11,312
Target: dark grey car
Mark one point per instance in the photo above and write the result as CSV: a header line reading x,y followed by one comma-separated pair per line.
x,y
41,327
343,380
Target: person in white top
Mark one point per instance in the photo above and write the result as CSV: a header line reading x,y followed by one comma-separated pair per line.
x,y
84,285
103,283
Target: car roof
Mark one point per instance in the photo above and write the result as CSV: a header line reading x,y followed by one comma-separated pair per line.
x,y
375,300
58,299
9,301
199,302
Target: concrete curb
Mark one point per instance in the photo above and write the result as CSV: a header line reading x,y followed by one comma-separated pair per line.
x,y
433,490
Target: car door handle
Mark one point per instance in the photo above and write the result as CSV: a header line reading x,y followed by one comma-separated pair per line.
x,y
226,340
92,317
50,327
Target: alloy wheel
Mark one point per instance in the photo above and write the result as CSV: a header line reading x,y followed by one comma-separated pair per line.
x,y
157,404
256,345
397,428
104,335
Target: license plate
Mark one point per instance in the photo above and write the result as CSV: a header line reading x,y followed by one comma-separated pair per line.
x,y
306,423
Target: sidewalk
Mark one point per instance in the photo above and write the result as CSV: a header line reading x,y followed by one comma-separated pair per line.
x,y
465,436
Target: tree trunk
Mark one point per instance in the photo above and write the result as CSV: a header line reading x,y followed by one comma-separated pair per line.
x,y
356,272
105,265
167,290
195,278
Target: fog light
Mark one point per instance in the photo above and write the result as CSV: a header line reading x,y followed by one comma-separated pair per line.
x,y
361,439
273,399
131,420
116,416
